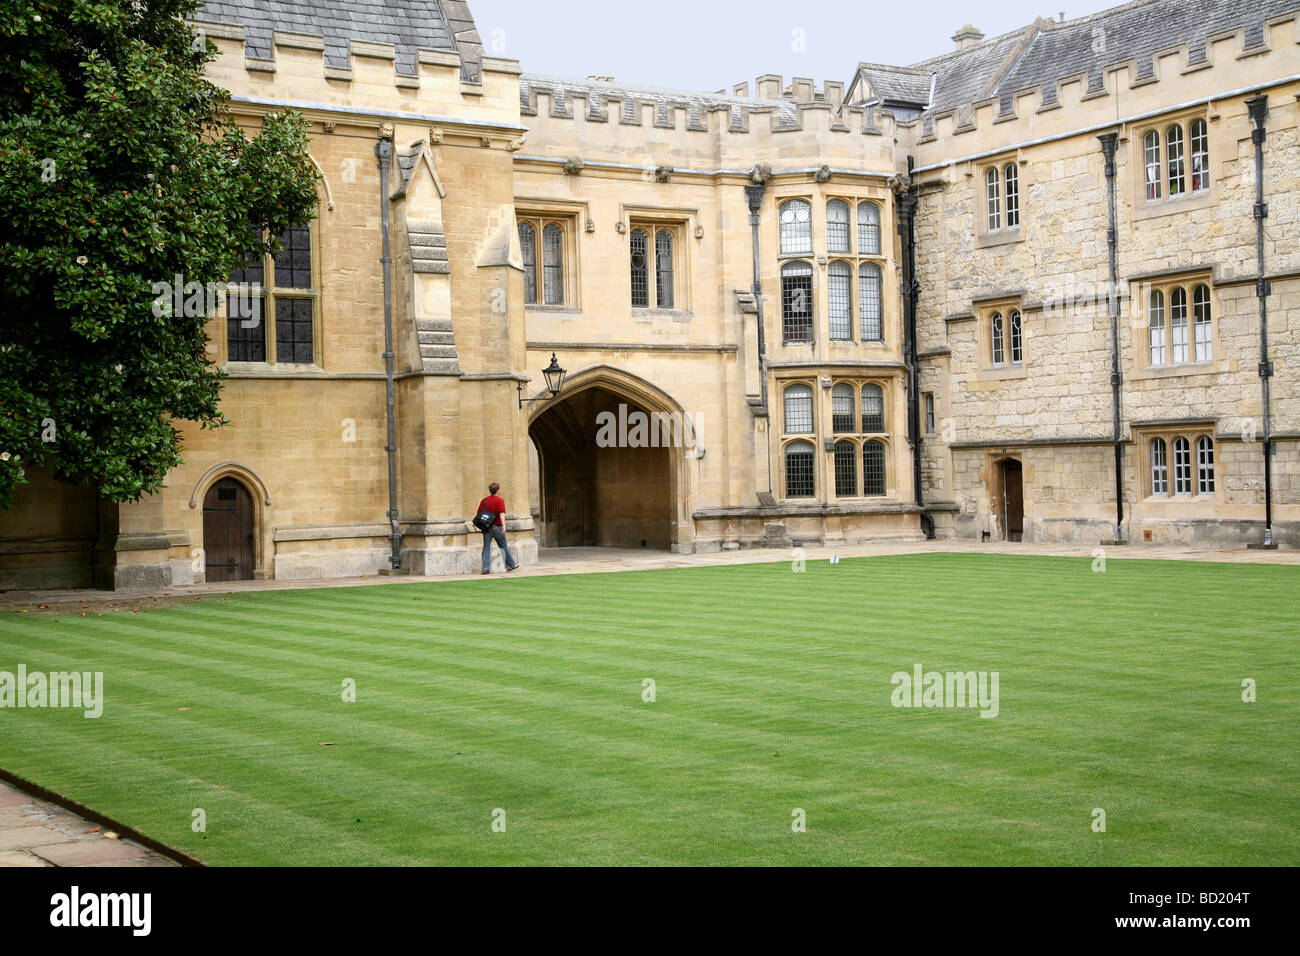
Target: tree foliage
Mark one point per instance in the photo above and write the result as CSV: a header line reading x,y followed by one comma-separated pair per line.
x,y
120,168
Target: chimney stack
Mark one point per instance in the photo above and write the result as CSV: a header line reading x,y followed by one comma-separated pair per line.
x,y
967,36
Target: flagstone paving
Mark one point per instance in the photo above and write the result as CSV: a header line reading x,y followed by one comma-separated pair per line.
x,y
603,560
38,833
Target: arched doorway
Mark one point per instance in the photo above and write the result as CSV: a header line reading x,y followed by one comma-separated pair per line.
x,y
609,456
228,528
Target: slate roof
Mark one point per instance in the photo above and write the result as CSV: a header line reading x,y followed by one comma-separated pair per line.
x,y
625,100
1136,31
898,84
408,25
1046,51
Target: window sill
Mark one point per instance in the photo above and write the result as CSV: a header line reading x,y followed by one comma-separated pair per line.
x,y
1181,370
267,370
1154,208
562,309
638,313
1002,373
1002,237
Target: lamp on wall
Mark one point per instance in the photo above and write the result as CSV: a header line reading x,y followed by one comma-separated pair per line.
x,y
554,376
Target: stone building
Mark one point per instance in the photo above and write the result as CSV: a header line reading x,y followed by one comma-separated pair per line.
x,y
1012,291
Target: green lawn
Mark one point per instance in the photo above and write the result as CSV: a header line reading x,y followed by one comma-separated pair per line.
x,y
1118,690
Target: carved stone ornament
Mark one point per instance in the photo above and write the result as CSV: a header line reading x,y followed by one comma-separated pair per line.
x,y
663,174
573,165
760,174
435,134
822,175
620,227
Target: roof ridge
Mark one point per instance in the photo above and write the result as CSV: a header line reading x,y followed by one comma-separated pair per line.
x,y
982,45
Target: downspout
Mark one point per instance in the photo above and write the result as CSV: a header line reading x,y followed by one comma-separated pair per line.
x,y
754,197
907,202
1258,106
384,150
1109,141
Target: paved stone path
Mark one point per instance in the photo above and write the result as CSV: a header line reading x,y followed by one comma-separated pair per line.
x,y
594,560
36,833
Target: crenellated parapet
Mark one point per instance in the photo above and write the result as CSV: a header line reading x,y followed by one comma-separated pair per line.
x,y
434,68
1056,77
776,108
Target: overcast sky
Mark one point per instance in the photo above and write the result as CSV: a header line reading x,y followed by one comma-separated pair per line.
x,y
708,45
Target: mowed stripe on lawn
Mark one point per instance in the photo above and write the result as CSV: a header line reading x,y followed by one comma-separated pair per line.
x,y
773,693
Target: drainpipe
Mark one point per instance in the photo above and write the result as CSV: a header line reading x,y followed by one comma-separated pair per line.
x,y
907,200
1258,106
754,197
384,150
1109,141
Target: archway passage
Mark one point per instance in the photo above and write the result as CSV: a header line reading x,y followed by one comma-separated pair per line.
x,y
228,531
602,482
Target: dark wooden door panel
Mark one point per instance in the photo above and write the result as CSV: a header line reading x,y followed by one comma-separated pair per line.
x,y
228,531
1014,496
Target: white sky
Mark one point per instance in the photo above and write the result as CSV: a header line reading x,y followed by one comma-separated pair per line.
x,y
703,45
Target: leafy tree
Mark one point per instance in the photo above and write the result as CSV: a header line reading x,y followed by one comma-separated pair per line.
x,y
120,168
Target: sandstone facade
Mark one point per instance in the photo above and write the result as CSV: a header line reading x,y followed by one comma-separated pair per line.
x,y
805,406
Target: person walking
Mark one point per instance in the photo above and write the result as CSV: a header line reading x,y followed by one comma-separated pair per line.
x,y
495,531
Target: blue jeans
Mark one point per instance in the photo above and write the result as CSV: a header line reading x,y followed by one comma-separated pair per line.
x,y
498,534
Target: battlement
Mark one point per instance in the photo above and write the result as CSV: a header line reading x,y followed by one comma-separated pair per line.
x,y
339,60
772,86
787,108
1054,87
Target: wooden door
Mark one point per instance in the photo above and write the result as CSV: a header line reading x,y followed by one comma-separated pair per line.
x,y
228,532
1013,499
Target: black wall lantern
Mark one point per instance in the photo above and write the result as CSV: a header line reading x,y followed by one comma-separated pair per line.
x,y
554,382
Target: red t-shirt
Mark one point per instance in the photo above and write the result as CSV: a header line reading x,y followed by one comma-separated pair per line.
x,y
495,504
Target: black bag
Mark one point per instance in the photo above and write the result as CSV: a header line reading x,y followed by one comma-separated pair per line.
x,y
484,520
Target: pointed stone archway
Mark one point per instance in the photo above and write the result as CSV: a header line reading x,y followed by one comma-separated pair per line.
x,y
603,482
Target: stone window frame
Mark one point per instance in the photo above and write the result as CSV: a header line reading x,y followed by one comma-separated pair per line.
x,y
1189,281
1007,369
855,259
1196,435
1188,198
539,216
786,446
652,227
987,234
849,219
788,386
781,203
802,263
270,290
857,436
